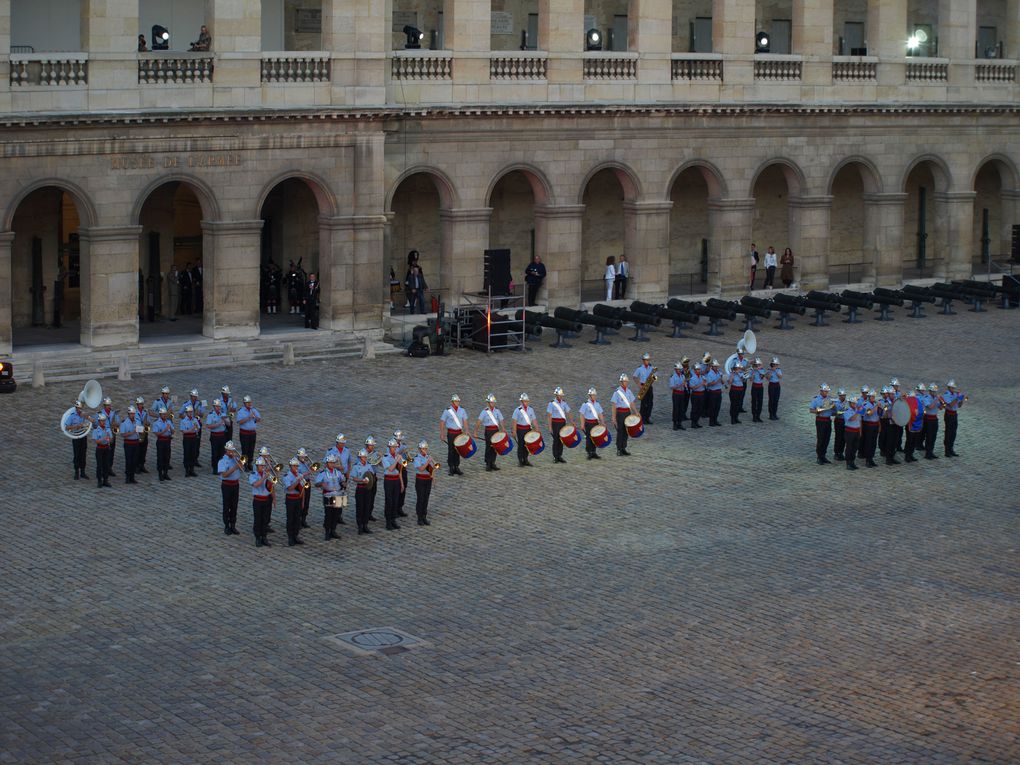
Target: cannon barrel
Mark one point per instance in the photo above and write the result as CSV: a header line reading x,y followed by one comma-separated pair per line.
x,y
788,304
888,297
978,289
756,302
601,309
583,317
988,287
545,320
856,299
709,312
919,294
826,297
753,310
664,313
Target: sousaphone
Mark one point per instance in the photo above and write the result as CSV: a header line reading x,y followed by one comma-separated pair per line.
x,y
91,397
748,344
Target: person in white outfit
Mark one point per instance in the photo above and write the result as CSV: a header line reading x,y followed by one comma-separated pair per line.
x,y
610,276
771,261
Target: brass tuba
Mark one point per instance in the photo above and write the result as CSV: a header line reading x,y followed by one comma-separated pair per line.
x,y
647,384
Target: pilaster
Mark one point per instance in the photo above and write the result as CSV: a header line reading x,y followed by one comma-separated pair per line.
x,y
6,298
1011,33
650,32
109,285
236,29
730,222
733,35
357,35
231,270
884,230
957,35
561,30
646,243
809,239
467,26
812,39
465,238
887,39
954,220
558,242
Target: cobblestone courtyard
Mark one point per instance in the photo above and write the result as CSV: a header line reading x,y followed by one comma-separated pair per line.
x,y
715,598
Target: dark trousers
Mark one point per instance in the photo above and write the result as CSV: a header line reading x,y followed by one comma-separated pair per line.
x,y
216,444
452,455
557,445
742,391
757,399
490,453
261,507
589,445
130,459
869,440
823,432
331,513
248,447
949,437
620,287
714,401
403,492
361,506
774,390
294,505
646,405
931,432
697,409
305,504
839,443
229,493
102,470
851,441
915,440
422,492
533,292
770,274
371,495
79,448
754,271
735,395
143,452
190,450
679,405
893,435
621,430
522,450
391,497
162,456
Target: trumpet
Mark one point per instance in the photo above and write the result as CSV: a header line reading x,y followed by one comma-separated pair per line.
x,y
433,467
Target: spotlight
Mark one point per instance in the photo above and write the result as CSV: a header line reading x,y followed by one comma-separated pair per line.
x,y
414,37
761,42
7,383
916,40
160,38
593,40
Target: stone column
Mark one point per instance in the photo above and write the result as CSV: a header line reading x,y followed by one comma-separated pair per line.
x,y
236,29
957,36
887,39
809,239
6,298
336,273
467,26
954,221
1011,33
561,30
109,285
357,33
465,237
110,27
650,33
733,35
812,39
231,254
646,243
730,222
371,279
5,28
558,243
883,215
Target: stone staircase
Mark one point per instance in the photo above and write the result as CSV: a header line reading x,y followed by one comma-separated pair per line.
x,y
74,362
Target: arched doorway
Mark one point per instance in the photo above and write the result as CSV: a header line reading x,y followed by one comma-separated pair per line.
x,y
852,251
602,230
924,235
771,223
690,232
289,252
171,272
46,269
992,219
415,224
512,225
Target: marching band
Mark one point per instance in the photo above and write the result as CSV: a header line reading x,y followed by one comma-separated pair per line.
x,y
874,422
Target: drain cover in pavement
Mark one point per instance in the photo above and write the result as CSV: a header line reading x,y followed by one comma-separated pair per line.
x,y
387,641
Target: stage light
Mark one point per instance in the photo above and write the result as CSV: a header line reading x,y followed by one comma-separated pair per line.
x,y
7,382
593,40
160,37
761,43
414,37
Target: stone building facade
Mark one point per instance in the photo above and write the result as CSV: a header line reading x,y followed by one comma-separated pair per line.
x,y
892,162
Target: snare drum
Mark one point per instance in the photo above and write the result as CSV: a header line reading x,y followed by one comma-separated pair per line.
x,y
533,442
634,425
465,445
570,436
601,437
502,443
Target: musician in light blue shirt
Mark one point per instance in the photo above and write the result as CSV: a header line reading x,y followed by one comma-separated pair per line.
x,y
102,437
248,419
952,399
229,469
678,389
79,446
775,387
261,501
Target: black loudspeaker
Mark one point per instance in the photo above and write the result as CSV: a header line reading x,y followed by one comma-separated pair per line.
x,y
497,272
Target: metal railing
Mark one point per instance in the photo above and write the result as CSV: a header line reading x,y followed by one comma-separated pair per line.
x,y
848,273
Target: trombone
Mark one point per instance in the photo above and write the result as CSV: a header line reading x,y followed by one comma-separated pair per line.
x,y
315,467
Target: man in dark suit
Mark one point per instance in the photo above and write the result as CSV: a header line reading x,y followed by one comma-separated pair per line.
x,y
196,287
311,302
186,289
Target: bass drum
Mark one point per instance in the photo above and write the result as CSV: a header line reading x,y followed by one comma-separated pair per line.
x,y
900,412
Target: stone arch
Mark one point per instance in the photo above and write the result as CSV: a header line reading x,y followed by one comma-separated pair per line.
x,y
202,190
870,175
449,199
796,183
86,209
940,172
1008,173
625,175
994,183
717,187
324,196
540,185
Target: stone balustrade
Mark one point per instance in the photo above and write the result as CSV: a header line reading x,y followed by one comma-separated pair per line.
x,y
49,69
177,69
295,67
995,71
610,66
777,68
854,69
422,65
526,65
928,70
697,66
